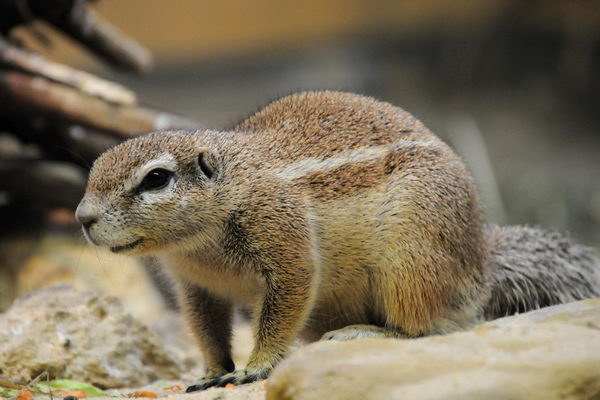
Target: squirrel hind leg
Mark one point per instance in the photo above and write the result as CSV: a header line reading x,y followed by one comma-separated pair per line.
x,y
352,332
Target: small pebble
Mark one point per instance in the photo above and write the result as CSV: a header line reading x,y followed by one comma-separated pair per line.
x,y
24,394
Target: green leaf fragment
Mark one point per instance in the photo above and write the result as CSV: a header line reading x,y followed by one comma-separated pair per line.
x,y
161,383
67,384
8,392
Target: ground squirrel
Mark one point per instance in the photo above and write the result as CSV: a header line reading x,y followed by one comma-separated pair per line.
x,y
331,215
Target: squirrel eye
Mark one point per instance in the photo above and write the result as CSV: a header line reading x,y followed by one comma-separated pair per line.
x,y
155,179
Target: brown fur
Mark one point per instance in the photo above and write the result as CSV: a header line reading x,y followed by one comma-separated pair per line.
x,y
326,212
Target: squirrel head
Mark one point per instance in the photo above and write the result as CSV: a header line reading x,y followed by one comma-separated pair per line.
x,y
150,193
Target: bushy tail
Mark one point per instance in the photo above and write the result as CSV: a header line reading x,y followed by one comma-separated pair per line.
x,y
533,268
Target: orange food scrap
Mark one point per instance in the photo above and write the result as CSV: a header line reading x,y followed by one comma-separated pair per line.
x,y
80,394
24,394
174,388
229,386
150,395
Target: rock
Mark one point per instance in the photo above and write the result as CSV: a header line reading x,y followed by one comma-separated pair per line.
x,y
548,354
78,335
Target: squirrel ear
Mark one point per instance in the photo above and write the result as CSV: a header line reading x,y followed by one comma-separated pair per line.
x,y
207,163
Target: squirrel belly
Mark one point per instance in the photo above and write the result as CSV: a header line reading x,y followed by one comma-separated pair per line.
x,y
331,215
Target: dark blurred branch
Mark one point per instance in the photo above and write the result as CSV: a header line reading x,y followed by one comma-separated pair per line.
x,y
60,140
106,41
53,184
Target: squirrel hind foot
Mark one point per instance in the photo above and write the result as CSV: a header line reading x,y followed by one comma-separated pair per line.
x,y
352,332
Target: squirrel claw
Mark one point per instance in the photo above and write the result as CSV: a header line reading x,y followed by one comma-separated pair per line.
x,y
193,388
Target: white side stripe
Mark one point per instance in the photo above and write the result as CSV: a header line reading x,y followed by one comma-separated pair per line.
x,y
311,165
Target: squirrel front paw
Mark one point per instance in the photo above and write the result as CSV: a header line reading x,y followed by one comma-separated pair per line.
x,y
237,377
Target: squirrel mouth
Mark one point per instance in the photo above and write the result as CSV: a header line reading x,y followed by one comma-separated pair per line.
x,y
118,249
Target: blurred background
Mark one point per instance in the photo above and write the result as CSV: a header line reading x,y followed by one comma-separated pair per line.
x,y
511,85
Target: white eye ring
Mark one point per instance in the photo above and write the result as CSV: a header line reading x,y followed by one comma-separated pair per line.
x,y
165,162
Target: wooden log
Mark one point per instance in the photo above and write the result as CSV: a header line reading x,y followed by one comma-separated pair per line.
x,y
34,64
41,95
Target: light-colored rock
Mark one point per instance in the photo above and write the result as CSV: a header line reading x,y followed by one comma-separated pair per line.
x,y
549,354
78,335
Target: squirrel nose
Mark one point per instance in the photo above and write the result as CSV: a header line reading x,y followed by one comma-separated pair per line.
x,y
85,215
86,220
